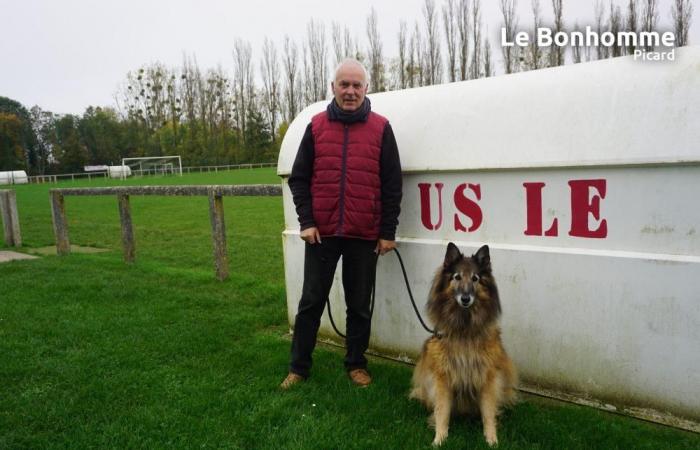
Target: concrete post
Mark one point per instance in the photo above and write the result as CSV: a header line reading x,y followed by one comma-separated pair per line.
x,y
10,218
60,224
127,229
218,234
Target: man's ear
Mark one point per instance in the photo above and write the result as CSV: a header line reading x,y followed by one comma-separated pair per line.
x,y
483,258
451,256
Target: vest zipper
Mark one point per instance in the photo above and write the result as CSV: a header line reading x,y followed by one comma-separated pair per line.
x,y
343,170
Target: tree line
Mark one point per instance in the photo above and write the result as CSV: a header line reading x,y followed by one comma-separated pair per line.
x,y
230,116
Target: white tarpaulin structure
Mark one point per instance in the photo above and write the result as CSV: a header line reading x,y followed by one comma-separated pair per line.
x,y
584,180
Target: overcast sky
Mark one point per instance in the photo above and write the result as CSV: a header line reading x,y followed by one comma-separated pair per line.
x,y
65,55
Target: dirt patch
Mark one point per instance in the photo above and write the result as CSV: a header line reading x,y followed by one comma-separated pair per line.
x,y
51,250
7,256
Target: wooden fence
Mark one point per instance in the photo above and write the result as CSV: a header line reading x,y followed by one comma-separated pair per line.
x,y
216,213
10,218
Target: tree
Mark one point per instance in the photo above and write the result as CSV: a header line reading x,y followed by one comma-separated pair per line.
x,y
510,23
292,81
433,61
402,62
42,124
463,32
449,19
615,22
650,19
27,136
243,76
11,142
71,155
632,22
315,62
557,52
374,52
100,135
682,15
535,56
270,70
476,40
488,68
599,13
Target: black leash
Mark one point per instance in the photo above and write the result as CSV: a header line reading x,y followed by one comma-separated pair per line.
x,y
374,289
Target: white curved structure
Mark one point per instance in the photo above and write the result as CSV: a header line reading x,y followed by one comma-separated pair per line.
x,y
14,177
584,180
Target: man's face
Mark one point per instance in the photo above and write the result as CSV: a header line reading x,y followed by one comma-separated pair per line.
x,y
350,87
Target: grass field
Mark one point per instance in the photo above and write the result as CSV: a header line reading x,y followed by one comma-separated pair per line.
x,y
95,353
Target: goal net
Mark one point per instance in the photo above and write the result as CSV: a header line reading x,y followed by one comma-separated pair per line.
x,y
154,165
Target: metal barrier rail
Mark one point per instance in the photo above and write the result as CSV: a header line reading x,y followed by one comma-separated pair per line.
x,y
216,213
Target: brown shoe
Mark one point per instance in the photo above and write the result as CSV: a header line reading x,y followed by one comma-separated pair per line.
x,y
360,377
291,380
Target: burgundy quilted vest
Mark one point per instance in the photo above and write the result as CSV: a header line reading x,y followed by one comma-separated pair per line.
x,y
346,187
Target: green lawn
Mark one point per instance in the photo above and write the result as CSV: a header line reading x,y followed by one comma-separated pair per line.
x,y
95,353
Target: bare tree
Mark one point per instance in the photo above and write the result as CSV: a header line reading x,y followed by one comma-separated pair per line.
x,y
682,15
270,70
432,43
463,32
599,13
510,23
534,59
374,52
577,50
488,67
315,62
243,76
650,19
292,80
448,19
189,81
476,40
615,22
557,52
414,58
402,78
632,22
343,46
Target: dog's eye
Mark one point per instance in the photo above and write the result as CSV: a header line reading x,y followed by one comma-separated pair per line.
x,y
475,278
456,277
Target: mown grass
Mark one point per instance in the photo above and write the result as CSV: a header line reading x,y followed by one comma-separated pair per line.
x,y
95,353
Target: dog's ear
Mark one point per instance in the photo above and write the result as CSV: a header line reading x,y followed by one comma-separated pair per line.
x,y
483,258
452,256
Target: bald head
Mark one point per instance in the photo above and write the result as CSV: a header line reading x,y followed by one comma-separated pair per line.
x,y
350,84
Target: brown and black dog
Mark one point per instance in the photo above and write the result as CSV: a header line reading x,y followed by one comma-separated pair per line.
x,y
464,369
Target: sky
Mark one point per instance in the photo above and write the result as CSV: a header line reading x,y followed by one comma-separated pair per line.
x,y
65,55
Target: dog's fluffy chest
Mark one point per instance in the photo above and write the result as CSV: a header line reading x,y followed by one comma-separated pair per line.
x,y
467,364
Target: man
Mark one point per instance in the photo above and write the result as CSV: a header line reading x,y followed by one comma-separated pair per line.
x,y
346,185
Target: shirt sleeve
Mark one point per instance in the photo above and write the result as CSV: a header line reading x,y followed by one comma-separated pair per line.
x,y
300,180
392,185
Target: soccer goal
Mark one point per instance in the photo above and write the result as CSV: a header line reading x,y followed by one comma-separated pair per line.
x,y
154,165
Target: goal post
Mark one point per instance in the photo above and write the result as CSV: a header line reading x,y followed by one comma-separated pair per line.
x,y
154,165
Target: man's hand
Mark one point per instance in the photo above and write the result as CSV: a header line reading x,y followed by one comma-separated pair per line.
x,y
384,246
311,235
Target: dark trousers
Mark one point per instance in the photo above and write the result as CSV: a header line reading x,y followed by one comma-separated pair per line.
x,y
320,261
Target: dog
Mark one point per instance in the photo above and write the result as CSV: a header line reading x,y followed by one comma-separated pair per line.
x,y
464,368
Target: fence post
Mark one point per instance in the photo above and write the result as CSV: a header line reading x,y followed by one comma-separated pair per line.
x,y
127,229
60,224
10,218
218,233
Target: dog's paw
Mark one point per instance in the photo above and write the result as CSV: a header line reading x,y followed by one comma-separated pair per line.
x,y
439,439
491,438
